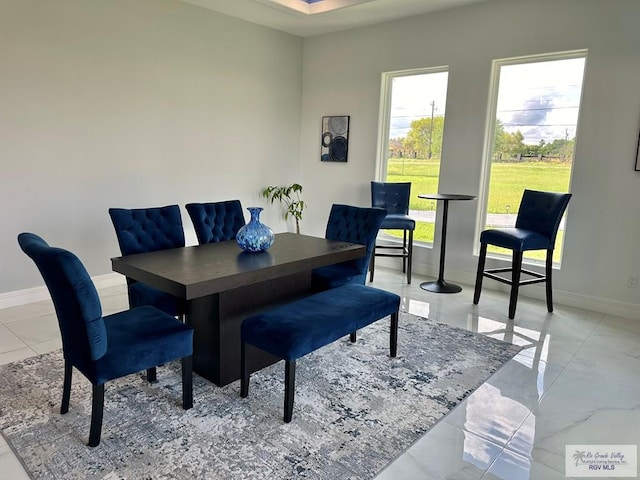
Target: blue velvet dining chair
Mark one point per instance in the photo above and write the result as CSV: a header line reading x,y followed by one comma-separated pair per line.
x,y
216,221
101,347
536,228
349,224
141,230
394,198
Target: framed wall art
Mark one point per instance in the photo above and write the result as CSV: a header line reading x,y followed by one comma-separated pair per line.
x,y
335,139
638,155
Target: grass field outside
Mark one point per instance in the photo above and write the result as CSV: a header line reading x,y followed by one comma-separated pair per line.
x,y
508,180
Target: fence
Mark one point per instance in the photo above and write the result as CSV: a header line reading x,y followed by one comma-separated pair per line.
x,y
532,158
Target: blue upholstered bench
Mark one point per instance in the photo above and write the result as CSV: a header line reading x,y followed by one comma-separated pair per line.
x,y
302,326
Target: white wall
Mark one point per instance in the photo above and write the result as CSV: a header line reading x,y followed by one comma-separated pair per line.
x,y
135,103
342,76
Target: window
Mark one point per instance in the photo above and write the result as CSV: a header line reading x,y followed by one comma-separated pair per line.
x,y
412,125
536,102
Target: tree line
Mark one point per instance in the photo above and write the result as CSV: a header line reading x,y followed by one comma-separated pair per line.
x,y
509,146
424,141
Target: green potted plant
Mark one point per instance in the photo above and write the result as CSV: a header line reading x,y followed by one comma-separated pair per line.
x,y
289,196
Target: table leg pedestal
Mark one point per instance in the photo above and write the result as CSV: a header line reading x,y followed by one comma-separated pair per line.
x,y
440,286
216,320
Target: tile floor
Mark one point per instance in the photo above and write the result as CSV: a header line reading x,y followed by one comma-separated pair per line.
x,y
577,381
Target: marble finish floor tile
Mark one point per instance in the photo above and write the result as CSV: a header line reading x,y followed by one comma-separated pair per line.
x,y
511,466
9,341
446,452
34,330
498,408
580,408
10,466
47,346
35,309
615,357
576,381
16,355
611,325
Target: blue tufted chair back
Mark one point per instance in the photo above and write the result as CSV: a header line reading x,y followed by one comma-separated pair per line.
x,y
393,197
216,221
77,304
141,230
356,225
542,212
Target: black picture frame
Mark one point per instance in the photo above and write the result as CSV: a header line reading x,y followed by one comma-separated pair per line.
x,y
637,168
334,141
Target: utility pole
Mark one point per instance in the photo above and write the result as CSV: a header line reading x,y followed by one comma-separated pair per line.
x,y
433,107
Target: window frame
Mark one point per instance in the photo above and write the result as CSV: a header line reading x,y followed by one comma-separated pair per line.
x,y
492,107
384,120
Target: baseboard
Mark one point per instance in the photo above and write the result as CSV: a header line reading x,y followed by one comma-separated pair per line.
x,y
570,299
30,295
602,305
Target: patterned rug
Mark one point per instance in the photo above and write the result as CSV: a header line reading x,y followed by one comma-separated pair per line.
x,y
356,409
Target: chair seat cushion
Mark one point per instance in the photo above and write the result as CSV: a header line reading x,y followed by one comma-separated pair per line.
x,y
517,239
142,294
396,221
336,275
138,339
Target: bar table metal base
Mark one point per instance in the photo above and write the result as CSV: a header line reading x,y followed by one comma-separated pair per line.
x,y
440,286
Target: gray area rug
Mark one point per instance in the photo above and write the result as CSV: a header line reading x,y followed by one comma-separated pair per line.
x,y
356,409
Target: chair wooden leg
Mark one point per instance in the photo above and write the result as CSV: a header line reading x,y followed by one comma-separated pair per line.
x,y
66,387
352,337
97,406
393,335
372,264
404,249
515,282
244,371
152,375
549,269
409,256
480,273
289,388
187,382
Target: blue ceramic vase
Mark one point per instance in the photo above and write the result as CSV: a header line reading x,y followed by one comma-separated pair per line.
x,y
255,236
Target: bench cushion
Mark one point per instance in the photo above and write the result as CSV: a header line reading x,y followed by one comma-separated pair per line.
x,y
302,326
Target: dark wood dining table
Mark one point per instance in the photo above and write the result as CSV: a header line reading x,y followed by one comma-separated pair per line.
x,y
222,285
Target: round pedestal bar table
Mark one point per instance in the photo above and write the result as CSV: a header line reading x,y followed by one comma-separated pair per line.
x,y
440,286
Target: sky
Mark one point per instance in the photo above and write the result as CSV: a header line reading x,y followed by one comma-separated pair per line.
x,y
413,97
539,99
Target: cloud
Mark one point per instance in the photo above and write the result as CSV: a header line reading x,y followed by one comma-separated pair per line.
x,y
544,117
533,112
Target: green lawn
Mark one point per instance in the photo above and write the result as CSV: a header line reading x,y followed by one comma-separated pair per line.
x,y
508,180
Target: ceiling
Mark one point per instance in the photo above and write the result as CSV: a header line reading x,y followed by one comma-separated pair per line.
x,y
305,18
